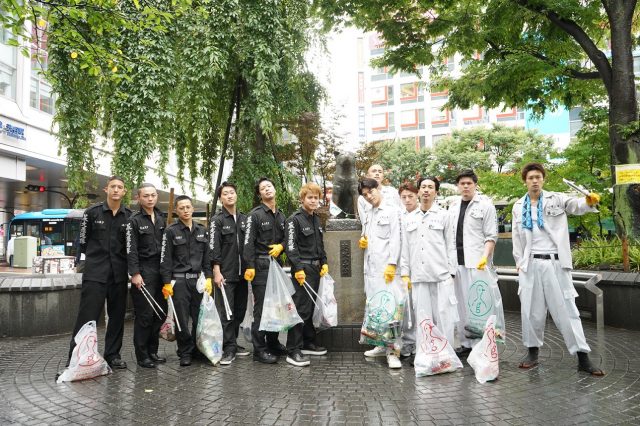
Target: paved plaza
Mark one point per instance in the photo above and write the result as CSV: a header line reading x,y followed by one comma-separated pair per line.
x,y
340,388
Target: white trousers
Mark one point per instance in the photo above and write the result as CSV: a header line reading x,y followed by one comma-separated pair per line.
x,y
437,300
546,286
462,283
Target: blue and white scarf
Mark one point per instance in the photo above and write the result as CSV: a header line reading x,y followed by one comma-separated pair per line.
x,y
527,222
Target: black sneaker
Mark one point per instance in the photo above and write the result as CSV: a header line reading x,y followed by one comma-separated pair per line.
x,y
265,357
242,351
227,358
278,350
157,359
313,349
117,364
298,359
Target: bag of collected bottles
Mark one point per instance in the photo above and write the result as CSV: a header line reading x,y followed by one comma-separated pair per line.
x,y
279,313
86,361
168,328
325,314
484,356
209,330
434,354
245,326
384,313
484,300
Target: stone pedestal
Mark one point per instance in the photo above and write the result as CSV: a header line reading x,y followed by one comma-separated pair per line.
x,y
345,261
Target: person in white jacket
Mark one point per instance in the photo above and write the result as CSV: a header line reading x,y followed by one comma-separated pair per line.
x,y
388,192
475,232
543,258
381,244
409,197
428,259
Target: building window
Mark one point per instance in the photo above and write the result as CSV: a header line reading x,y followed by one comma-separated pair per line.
x,y
439,117
440,96
378,74
436,138
450,63
8,62
382,96
41,95
410,93
575,121
422,142
507,115
382,122
412,119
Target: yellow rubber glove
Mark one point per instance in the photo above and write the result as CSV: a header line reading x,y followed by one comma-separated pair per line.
x,y
276,249
592,199
300,277
167,290
483,263
249,274
389,273
207,286
363,242
324,270
407,281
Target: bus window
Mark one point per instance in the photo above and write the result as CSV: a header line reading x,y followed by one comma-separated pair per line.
x,y
72,238
16,230
33,229
52,233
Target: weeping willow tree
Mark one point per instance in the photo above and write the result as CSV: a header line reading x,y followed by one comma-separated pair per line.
x,y
157,79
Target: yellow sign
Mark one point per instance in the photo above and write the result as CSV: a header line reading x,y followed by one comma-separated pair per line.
x,y
627,173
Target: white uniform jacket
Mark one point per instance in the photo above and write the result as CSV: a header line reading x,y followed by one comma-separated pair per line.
x,y
480,226
389,196
555,207
428,247
381,225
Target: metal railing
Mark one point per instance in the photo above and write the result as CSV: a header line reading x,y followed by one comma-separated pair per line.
x,y
587,280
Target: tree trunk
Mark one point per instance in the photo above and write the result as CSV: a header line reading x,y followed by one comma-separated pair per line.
x,y
623,110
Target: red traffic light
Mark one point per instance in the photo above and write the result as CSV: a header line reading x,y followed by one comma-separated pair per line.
x,y
42,188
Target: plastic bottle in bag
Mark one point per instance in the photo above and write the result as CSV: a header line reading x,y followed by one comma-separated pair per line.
x,y
484,358
209,330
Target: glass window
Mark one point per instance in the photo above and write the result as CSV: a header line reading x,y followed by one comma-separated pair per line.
x,y
41,96
8,61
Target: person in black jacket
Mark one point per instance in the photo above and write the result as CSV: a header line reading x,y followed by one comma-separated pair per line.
x,y
305,251
185,253
102,240
226,238
263,238
144,241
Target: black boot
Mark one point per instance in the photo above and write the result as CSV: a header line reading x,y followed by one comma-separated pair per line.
x,y
531,360
584,364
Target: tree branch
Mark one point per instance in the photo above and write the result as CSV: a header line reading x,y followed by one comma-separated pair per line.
x,y
570,27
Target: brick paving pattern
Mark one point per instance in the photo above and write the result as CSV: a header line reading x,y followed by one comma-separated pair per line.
x,y
340,388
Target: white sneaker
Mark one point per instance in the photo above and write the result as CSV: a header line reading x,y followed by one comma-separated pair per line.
x,y
375,352
393,361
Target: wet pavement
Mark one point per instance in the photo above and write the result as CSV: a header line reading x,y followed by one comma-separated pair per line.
x,y
340,388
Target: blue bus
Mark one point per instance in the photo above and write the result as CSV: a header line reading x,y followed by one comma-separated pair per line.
x,y
57,230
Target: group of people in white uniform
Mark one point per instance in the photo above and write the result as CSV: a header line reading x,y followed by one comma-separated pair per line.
x,y
406,234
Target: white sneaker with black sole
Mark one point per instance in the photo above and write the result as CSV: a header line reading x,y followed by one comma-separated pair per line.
x,y
376,352
393,361
298,359
227,358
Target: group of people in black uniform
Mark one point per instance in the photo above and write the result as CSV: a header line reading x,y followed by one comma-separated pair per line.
x,y
167,260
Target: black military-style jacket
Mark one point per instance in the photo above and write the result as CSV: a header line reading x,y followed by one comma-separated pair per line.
x,y
263,229
144,239
303,235
102,240
185,250
226,239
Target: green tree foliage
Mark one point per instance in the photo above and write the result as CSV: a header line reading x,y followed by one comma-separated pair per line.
x,y
161,78
534,54
403,162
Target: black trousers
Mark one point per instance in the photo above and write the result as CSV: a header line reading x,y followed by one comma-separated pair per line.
x,y
262,340
304,333
92,299
236,292
146,326
187,302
